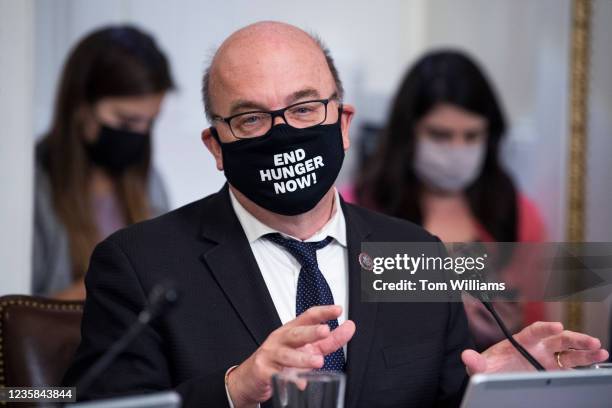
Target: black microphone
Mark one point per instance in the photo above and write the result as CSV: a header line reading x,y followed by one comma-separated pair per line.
x,y
471,249
160,298
483,297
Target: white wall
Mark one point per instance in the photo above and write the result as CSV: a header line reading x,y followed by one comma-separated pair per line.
x,y
16,168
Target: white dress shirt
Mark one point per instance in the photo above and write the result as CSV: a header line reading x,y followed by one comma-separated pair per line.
x,y
280,269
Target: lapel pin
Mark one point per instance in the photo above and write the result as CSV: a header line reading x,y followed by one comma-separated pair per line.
x,y
365,261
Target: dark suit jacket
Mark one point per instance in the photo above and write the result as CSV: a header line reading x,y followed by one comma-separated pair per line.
x,y
402,355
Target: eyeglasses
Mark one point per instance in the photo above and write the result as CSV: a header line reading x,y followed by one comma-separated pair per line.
x,y
249,125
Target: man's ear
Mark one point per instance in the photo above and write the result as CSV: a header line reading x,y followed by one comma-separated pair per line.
x,y
213,147
345,122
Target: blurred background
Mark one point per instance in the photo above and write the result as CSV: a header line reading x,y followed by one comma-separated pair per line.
x,y
524,47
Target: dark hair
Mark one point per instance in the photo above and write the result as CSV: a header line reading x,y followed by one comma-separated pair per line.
x,y
328,58
388,182
114,61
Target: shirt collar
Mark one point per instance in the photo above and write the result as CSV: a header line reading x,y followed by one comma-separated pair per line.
x,y
255,229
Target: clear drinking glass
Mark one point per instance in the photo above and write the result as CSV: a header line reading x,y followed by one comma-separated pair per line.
x,y
308,389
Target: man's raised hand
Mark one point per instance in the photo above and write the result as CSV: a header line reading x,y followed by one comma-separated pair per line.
x,y
301,343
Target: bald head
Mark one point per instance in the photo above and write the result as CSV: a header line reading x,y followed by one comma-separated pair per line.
x,y
265,35
264,63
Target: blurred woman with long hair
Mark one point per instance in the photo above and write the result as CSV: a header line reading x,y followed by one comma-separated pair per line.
x,y
93,166
438,165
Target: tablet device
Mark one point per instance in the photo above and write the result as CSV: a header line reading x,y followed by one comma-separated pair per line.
x,y
559,389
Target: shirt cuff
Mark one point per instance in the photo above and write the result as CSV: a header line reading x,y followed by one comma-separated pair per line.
x,y
229,399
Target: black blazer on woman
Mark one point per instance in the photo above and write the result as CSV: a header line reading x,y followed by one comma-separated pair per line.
x,y
402,354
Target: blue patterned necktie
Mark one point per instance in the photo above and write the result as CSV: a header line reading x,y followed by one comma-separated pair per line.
x,y
312,288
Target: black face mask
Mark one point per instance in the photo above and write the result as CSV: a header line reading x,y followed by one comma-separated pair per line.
x,y
117,149
286,171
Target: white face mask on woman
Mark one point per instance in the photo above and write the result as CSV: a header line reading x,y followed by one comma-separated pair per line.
x,y
447,167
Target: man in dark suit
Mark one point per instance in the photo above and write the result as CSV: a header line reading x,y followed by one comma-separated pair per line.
x,y
261,264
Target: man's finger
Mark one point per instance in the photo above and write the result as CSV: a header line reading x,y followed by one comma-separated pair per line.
x,y
474,362
297,336
337,338
316,315
568,339
538,331
289,357
575,358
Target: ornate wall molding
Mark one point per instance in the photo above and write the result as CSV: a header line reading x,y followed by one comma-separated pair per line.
x,y
580,66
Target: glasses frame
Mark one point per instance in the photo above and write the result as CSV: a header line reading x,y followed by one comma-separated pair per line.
x,y
276,113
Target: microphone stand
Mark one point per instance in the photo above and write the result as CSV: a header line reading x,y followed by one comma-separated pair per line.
x,y
160,297
483,297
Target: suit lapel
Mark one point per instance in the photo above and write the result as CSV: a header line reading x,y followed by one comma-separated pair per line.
x,y
362,313
235,269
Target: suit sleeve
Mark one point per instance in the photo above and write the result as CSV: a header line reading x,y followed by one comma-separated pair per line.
x,y
114,299
454,376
